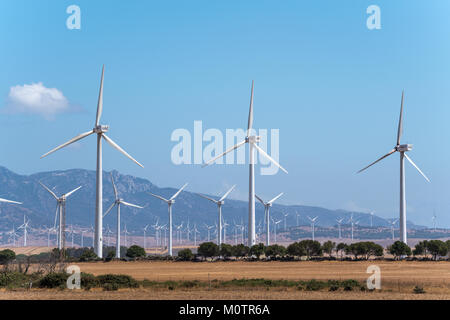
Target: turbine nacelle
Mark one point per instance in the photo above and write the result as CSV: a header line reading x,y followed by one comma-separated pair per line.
x,y
404,147
252,139
101,129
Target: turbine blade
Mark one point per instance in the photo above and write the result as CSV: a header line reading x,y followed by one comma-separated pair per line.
x,y
400,122
56,215
114,187
250,113
50,191
415,166
179,191
100,99
269,157
115,145
272,201
221,155
260,200
109,209
79,137
227,193
131,205
72,192
386,155
159,197
207,198
9,201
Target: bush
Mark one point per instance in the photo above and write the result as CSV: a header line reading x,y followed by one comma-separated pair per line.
x,y
314,285
6,256
185,255
240,250
88,281
13,279
54,280
136,252
399,248
257,250
226,250
418,290
121,280
110,287
88,255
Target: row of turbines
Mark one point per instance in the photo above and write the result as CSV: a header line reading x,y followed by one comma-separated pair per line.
x,y
251,139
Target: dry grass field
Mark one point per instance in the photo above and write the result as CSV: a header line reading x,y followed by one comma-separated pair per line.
x,y
398,280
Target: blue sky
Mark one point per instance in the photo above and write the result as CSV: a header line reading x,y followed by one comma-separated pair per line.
x,y
329,84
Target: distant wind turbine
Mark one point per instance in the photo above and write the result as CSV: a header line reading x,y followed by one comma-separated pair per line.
x,y
24,226
267,205
339,222
313,221
170,202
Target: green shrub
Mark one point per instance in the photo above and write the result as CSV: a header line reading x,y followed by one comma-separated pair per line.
x,y
54,280
121,280
185,255
136,252
314,285
334,288
110,287
6,256
418,290
88,281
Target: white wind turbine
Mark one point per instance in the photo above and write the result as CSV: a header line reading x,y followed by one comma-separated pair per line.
x,y
208,228
353,223
60,214
371,219
392,227
118,202
275,225
126,233
82,237
219,203
24,226
145,236
225,225
285,215
267,205
339,222
13,234
170,202
297,215
313,221
100,131
178,232
402,149
253,141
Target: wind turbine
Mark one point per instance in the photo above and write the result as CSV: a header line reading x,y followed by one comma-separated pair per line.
x,y
392,227
275,228
125,232
24,226
402,149
297,215
9,201
253,141
339,222
219,203
352,222
145,238
118,202
61,209
170,202
13,234
225,225
208,228
100,130
313,221
267,205
371,219
82,237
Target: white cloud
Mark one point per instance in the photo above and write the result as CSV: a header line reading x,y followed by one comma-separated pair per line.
x,y
37,99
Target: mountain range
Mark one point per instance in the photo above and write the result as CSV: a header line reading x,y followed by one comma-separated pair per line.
x,y
39,206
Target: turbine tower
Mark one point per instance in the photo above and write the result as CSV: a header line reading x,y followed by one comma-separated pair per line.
x,y
275,224
434,220
61,213
24,226
339,222
392,228
170,202
219,203
313,221
253,141
402,149
267,205
371,219
100,131
118,202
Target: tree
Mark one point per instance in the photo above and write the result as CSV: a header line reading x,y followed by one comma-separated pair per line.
x,y
399,248
274,251
419,249
437,248
6,256
296,250
311,248
226,250
341,247
257,250
136,252
208,249
328,247
185,255
240,250
374,250
87,255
